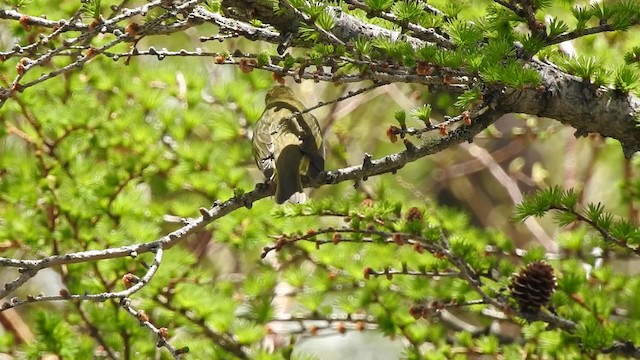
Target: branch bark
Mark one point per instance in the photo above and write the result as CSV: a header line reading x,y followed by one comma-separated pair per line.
x,y
562,97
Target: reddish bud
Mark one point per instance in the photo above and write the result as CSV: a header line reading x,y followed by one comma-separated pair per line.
x,y
466,117
336,238
332,275
129,280
65,293
397,238
163,332
341,328
416,311
417,247
367,272
94,23
423,68
437,305
313,330
142,316
22,64
391,133
132,29
280,243
278,78
245,66
91,52
360,325
444,131
367,203
414,214
447,79
538,26
24,21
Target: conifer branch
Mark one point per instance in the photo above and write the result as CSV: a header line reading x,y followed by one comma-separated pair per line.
x,y
596,113
224,340
579,33
160,333
561,97
429,35
135,284
390,163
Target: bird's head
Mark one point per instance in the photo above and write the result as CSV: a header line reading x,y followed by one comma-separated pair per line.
x,y
279,93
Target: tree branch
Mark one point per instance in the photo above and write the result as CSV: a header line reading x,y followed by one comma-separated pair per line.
x,y
563,97
390,163
586,108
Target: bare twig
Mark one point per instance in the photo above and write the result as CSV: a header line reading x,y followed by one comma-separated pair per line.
x,y
34,266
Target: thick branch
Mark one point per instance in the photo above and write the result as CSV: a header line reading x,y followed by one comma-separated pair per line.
x,y
564,97
572,101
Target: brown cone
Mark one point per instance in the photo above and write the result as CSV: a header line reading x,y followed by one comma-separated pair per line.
x,y
532,286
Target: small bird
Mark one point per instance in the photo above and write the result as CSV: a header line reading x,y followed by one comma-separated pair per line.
x,y
286,146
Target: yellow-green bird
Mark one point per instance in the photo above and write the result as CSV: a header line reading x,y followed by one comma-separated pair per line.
x,y
287,147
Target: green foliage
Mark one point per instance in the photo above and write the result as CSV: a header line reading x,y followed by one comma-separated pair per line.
x,y
557,27
469,98
362,47
451,59
463,33
401,117
453,8
54,335
407,11
427,53
400,51
593,335
92,8
582,14
112,155
627,79
422,113
585,67
545,200
542,4
512,74
632,56
379,5
621,14
325,21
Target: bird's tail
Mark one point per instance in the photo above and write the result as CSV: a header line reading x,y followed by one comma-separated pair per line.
x,y
288,183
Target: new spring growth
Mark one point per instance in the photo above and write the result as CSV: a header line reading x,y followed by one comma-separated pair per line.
x,y
401,116
423,113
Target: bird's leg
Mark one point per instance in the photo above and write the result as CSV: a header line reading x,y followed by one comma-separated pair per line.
x,y
319,179
266,184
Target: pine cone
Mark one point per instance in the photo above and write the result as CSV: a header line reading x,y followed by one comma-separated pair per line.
x,y
532,286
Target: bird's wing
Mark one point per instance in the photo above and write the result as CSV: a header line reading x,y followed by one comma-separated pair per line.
x,y
312,145
305,127
263,148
